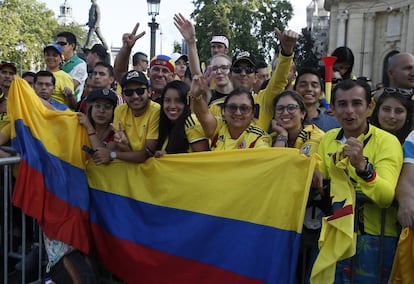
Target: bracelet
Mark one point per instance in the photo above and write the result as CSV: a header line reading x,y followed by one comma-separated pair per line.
x,y
282,138
149,152
92,133
195,98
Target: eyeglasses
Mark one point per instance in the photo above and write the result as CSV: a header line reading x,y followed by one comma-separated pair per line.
x,y
239,69
291,108
336,80
162,70
62,43
400,91
138,91
222,68
100,107
244,109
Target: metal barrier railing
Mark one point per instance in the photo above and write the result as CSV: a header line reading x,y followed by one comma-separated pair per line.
x,y
8,240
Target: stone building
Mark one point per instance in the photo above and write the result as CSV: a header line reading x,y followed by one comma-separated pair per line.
x,y
374,30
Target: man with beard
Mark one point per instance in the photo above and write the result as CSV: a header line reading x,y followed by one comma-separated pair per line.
x,y
136,123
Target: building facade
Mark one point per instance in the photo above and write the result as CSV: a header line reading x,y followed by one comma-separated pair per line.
x,y
373,30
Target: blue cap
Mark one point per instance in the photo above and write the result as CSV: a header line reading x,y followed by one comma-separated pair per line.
x,y
54,46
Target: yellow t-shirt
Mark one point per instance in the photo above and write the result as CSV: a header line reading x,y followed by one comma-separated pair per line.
x,y
252,137
138,128
264,99
193,131
63,80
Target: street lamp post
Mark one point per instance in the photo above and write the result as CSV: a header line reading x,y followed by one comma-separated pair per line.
x,y
153,11
21,49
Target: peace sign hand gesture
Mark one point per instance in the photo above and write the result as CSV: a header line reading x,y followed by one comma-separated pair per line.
x,y
129,39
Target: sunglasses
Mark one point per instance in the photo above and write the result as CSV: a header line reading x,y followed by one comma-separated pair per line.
x,y
400,91
138,91
247,69
244,109
62,43
291,108
336,80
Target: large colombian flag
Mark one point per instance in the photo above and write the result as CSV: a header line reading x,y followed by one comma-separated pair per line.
x,y
51,184
212,217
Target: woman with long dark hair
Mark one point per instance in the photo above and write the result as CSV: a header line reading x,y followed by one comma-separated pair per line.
x,y
394,112
344,62
179,130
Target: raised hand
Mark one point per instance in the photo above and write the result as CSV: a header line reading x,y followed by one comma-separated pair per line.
x,y
120,136
84,121
199,86
129,39
185,27
287,39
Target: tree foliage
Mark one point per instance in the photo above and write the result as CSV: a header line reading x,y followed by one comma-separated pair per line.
x,y
32,23
248,24
304,55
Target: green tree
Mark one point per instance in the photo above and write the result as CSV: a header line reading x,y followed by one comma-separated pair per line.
x,y
33,24
304,50
248,24
27,21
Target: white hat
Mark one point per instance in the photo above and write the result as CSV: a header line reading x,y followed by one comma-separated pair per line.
x,y
220,39
176,56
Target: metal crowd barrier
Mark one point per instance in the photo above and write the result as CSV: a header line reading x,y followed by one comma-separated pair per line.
x,y
15,251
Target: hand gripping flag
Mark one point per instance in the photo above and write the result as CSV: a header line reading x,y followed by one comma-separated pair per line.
x,y
338,239
212,217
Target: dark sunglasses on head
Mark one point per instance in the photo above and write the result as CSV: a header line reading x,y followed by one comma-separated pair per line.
x,y
62,43
400,91
247,69
336,80
138,91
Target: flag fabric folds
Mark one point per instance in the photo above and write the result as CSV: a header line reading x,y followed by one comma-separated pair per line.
x,y
212,217
52,184
338,239
402,269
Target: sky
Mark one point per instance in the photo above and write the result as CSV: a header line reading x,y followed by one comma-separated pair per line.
x,y
120,16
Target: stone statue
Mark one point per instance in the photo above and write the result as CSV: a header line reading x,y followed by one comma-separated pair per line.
x,y
93,24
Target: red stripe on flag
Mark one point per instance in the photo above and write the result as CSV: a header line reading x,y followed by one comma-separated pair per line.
x,y
341,212
146,265
56,217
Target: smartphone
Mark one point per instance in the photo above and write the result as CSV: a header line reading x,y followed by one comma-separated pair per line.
x,y
88,150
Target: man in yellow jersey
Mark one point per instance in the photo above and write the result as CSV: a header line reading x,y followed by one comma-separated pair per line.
x,y
371,160
243,75
136,123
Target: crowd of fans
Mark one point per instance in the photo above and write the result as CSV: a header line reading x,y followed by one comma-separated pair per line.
x,y
168,105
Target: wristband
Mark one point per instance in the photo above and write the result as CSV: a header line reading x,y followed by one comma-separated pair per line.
x,y
195,98
92,133
149,152
281,138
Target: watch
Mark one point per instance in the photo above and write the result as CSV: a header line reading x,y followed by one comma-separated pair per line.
x,y
112,155
368,172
